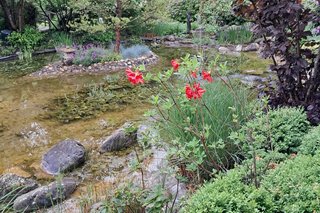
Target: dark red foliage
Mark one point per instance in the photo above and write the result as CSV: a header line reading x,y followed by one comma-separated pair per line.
x,y
282,24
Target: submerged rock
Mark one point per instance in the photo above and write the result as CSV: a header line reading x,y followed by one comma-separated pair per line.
x,y
64,156
12,185
34,135
227,51
251,47
45,196
122,138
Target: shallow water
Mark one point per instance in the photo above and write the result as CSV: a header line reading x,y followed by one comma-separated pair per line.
x,y
25,135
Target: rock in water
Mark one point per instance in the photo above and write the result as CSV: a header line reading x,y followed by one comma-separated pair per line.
x,y
120,139
251,47
12,186
64,156
45,196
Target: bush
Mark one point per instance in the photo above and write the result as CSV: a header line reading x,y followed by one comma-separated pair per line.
x,y
311,142
279,130
220,13
89,54
135,51
25,41
229,194
295,185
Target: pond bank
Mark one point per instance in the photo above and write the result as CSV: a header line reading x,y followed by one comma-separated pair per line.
x,y
59,69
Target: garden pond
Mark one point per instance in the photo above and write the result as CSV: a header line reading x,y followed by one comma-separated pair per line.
x,y
34,113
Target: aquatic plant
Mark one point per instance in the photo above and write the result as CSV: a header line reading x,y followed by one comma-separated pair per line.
x,y
92,100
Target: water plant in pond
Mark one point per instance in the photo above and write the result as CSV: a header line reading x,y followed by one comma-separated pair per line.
x,y
235,35
95,99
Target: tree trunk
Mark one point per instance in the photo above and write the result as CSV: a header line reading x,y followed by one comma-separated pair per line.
x,y
8,15
188,22
118,27
20,14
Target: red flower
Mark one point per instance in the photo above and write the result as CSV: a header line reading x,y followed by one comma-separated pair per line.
x,y
207,76
194,74
175,65
198,91
189,92
194,92
134,77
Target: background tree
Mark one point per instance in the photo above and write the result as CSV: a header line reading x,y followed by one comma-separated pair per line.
x,y
18,13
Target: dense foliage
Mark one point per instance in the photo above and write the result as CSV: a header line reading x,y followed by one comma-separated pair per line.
x,y
311,142
291,187
283,25
279,130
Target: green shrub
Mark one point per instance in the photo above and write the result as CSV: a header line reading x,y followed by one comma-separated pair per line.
x,y
227,193
311,142
279,130
295,185
25,41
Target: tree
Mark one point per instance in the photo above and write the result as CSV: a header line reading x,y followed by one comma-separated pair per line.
x,y
283,26
18,13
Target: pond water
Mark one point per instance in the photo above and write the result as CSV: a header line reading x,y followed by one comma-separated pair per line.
x,y
25,133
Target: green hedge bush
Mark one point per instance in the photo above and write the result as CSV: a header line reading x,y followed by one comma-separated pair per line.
x,y
278,130
294,186
311,142
229,194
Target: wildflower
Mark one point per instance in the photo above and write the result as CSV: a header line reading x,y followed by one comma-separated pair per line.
x,y
175,65
194,92
207,76
134,77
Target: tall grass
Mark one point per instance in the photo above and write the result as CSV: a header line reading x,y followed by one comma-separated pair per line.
x,y
171,28
235,35
224,113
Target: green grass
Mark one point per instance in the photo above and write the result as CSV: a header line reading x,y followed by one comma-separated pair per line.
x,y
173,28
235,35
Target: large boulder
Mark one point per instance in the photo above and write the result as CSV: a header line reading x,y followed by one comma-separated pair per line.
x,y
64,156
45,196
12,185
122,138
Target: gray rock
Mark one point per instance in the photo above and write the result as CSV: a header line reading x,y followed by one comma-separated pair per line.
x,y
251,47
227,51
239,48
97,207
122,138
64,156
12,186
45,196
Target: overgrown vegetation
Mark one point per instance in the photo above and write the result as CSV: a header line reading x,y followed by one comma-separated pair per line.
x,y
95,99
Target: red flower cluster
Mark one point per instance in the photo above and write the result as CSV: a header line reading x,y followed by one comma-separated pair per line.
x,y
134,77
194,92
207,76
175,65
